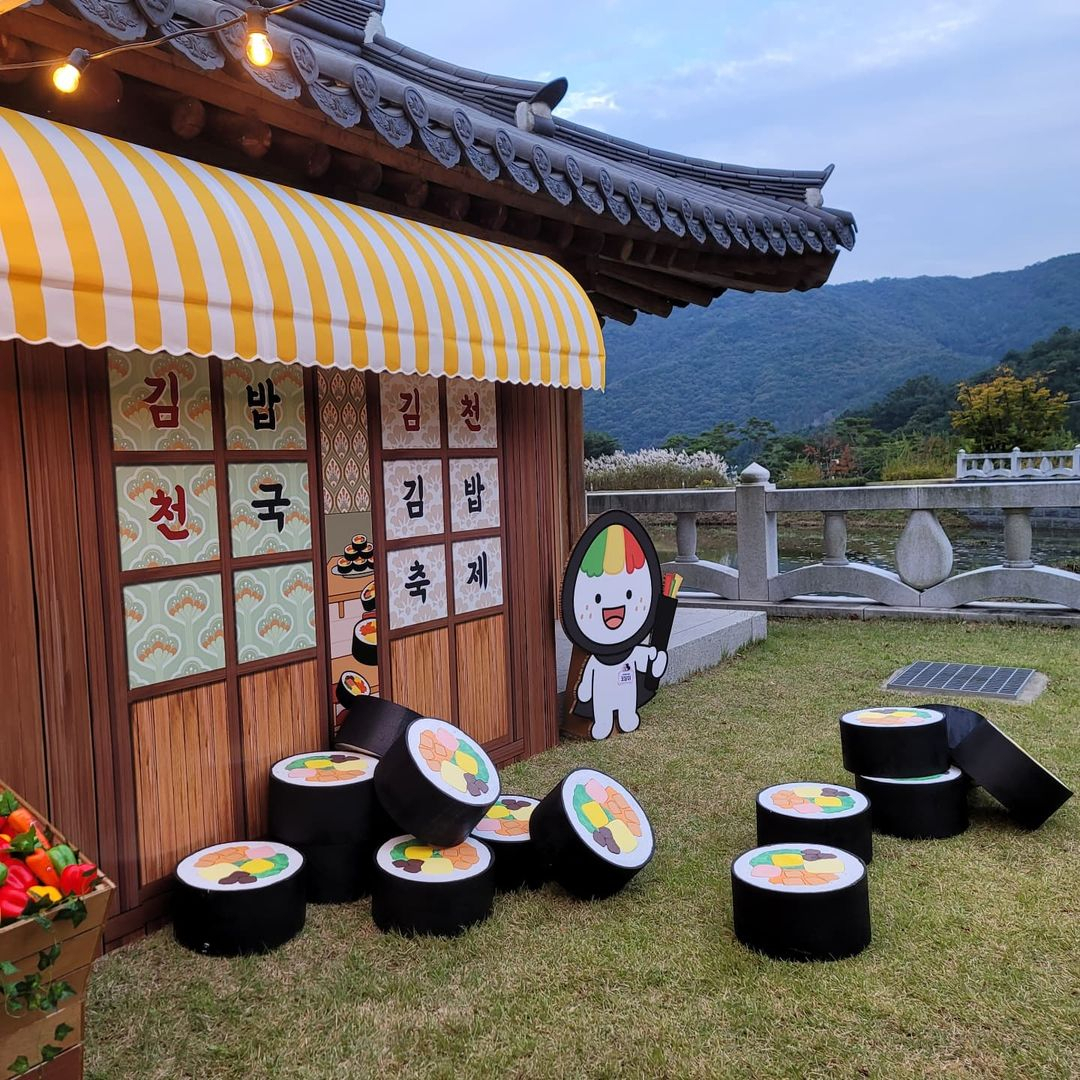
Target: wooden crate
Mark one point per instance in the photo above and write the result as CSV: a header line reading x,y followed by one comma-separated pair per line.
x,y
22,944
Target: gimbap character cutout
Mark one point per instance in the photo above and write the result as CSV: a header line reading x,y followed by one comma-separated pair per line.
x,y
610,593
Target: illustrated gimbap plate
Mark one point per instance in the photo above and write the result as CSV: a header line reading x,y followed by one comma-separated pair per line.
x,y
367,596
346,568
238,898
593,834
815,813
363,545
427,889
918,807
322,797
894,741
436,782
352,685
365,642
797,901
1028,790
505,827
352,552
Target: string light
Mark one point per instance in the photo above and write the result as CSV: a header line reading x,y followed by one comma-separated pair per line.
x,y
258,48
67,75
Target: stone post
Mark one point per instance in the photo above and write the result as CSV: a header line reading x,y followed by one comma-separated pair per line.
x,y
686,537
1018,538
756,533
835,538
961,459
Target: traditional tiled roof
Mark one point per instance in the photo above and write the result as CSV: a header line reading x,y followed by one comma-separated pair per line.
x,y
333,55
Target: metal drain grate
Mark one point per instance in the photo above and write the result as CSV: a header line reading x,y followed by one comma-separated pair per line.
x,y
979,680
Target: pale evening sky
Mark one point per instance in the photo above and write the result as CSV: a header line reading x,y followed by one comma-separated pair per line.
x,y
954,124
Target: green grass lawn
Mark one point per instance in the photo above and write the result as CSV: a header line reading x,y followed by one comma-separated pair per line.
x,y
973,969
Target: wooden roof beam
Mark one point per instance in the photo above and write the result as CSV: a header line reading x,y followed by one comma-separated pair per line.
x,y
662,284
608,308
634,296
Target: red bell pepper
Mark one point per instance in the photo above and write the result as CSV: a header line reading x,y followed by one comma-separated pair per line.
x,y
20,821
13,901
18,872
78,879
43,869
3,873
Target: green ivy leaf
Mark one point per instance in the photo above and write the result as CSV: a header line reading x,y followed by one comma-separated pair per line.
x,y
40,919
48,1052
73,909
62,1032
25,842
7,968
8,803
19,1066
48,957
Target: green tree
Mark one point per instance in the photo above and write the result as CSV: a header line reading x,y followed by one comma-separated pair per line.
x,y
1009,411
599,443
680,441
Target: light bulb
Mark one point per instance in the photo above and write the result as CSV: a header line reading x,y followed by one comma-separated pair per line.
x,y
68,75
258,48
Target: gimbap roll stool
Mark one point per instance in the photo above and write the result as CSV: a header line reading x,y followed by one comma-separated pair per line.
x,y
505,829
592,833
239,898
894,741
958,721
425,889
372,725
323,804
918,807
1030,792
795,901
816,813
436,782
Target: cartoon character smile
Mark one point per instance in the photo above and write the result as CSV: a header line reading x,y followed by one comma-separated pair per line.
x,y
609,600
613,616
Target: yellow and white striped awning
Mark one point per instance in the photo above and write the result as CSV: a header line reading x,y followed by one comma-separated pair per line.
x,y
106,243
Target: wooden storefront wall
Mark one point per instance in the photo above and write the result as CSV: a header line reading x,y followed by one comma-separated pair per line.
x,y
142,776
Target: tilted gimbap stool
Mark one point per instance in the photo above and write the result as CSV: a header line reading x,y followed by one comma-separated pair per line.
x,y
505,828
436,782
1028,790
425,889
241,897
894,741
816,814
323,804
958,721
592,833
796,901
372,725
918,807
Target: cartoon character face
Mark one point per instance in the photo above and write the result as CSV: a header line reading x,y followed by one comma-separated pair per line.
x,y
611,586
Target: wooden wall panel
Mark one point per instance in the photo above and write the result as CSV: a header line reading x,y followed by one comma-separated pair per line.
x,y
420,668
483,705
280,714
23,761
58,508
184,795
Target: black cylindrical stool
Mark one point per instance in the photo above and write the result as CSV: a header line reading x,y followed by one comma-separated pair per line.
x,y
323,804
816,813
918,807
795,901
436,782
239,898
505,828
423,889
1028,790
372,725
894,741
592,833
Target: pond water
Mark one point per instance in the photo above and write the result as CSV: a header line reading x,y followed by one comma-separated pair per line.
x,y
802,545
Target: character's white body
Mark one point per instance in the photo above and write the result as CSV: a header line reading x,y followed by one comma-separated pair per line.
x,y
612,688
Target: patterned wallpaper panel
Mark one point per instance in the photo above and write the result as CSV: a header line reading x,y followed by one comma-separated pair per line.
x,y
474,493
270,508
478,574
413,493
409,409
160,402
264,405
416,583
166,515
275,610
471,420
343,439
174,629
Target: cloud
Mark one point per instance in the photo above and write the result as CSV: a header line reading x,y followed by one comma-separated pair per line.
x,y
577,102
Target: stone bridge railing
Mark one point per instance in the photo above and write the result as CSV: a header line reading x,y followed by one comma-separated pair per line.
x,y
1020,465
923,576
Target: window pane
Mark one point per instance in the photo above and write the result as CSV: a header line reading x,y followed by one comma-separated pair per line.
x,y
477,573
270,508
416,582
275,611
409,407
470,415
413,493
264,406
474,494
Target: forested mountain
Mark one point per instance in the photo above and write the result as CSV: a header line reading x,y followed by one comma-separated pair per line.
x,y
799,359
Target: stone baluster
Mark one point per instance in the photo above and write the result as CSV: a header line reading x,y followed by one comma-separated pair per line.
x,y
1018,538
961,463
756,533
835,538
924,554
686,538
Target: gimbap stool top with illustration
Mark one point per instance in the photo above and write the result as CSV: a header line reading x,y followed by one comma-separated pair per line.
x,y
894,741
818,813
325,767
507,822
505,827
236,867
408,858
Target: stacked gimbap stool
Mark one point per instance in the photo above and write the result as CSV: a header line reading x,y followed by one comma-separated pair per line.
x,y
409,809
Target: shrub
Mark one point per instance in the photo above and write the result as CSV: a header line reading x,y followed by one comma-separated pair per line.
x,y
649,470
931,458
